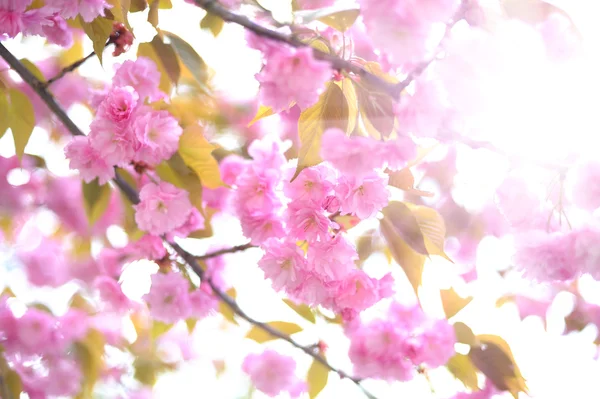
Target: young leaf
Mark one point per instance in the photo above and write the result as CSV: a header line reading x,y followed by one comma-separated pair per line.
x,y
119,10
402,179
159,328
452,302
90,352
302,310
494,358
463,370
411,261
153,13
4,112
213,23
196,152
167,57
96,198
259,335
138,5
340,18
226,310
21,119
190,58
332,110
406,225
149,50
464,334
99,30
432,227
262,112
33,69
316,378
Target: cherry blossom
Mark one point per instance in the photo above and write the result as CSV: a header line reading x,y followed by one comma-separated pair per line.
x,y
169,298
162,208
273,373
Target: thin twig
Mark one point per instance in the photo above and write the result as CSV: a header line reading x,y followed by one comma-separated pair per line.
x,y
133,197
224,251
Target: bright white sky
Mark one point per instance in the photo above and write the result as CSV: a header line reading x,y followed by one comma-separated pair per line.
x,y
555,366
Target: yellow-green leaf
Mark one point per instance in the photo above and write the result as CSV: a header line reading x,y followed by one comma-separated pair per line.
x,y
402,179
452,302
159,328
259,335
4,112
226,310
90,352
96,198
99,30
190,58
176,172
316,378
463,370
196,152
213,23
302,310
332,110
320,45
21,119
119,10
33,69
433,228
346,222
464,334
494,358
338,17
406,225
262,112
138,5
167,57
148,50
165,4
191,324
412,262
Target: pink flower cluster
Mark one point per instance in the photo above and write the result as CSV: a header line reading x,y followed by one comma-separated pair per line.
x,y
38,347
392,348
292,75
125,130
559,256
273,374
271,207
170,299
403,28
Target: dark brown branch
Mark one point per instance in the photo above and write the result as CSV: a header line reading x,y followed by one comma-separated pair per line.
x,y
220,252
133,196
69,68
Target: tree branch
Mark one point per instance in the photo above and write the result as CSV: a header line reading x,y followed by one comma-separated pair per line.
x,y
133,196
220,252
69,68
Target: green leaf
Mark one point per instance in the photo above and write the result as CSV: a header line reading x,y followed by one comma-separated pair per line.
x,y
494,358
196,152
99,30
464,334
338,17
463,370
33,69
4,112
412,262
332,110
90,352
190,58
452,302
138,5
148,50
405,224
213,23
302,310
259,335
153,13
262,112
165,4
376,107
21,119
433,228
316,378
191,324
176,172
159,328
96,199
119,10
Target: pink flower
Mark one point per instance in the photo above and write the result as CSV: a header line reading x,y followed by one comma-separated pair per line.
x,y
34,330
312,184
119,104
85,158
358,291
312,291
363,197
517,202
72,326
587,250
8,322
111,260
149,247
273,373
158,134
333,259
397,153
354,156
562,43
292,74
90,9
56,30
64,377
45,265
203,301
194,222
115,144
142,75
231,167
267,153
14,19
546,257
111,294
585,185
169,298
438,344
313,4
259,227
307,222
256,191
284,264
162,208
